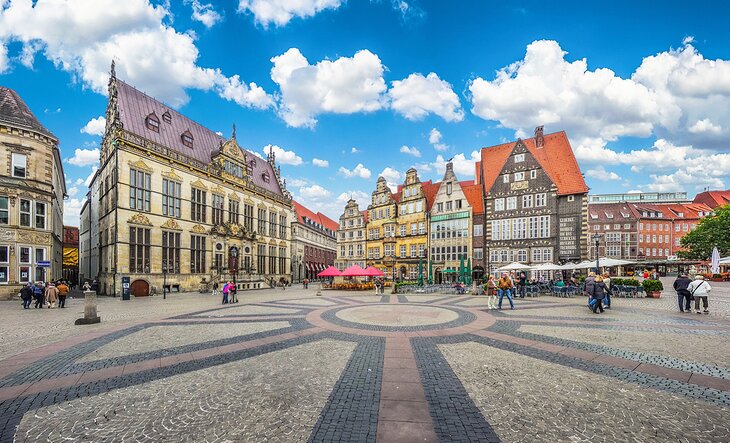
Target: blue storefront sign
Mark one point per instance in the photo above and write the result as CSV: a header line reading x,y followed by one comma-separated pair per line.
x,y
43,264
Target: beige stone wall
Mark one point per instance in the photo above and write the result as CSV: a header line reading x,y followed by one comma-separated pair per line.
x,y
159,169
37,186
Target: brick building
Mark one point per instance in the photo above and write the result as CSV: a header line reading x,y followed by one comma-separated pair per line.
x,y
536,201
617,226
662,226
314,243
713,199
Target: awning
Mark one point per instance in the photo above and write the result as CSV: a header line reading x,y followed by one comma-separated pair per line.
x,y
309,267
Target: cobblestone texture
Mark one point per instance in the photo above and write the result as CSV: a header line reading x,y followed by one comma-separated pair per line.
x,y
529,400
386,315
248,400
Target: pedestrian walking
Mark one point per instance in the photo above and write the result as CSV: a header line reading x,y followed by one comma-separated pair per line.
x,y
505,286
63,290
684,297
51,295
491,290
26,294
226,290
597,292
607,282
522,282
215,289
700,290
38,294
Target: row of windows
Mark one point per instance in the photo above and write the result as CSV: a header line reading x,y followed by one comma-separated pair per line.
x,y
28,260
615,226
685,227
521,228
449,205
654,238
31,214
528,201
458,228
538,255
351,251
445,253
654,252
519,176
140,196
140,246
412,251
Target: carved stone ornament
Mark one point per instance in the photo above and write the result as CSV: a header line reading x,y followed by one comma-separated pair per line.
x,y
139,219
199,184
219,190
7,235
172,176
232,149
139,164
171,224
233,196
198,229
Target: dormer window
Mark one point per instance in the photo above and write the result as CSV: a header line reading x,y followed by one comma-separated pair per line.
x,y
187,139
266,177
152,122
166,117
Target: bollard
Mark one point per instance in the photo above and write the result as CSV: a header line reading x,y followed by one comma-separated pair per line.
x,y
90,316
319,290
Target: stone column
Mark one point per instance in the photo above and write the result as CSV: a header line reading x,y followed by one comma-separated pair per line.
x,y
90,316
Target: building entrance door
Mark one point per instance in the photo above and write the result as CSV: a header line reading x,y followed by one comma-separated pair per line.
x,y
140,288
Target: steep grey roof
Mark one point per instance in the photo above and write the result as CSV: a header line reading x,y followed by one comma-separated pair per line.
x,y
14,112
135,106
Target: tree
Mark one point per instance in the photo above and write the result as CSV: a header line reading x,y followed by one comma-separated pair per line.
x,y
712,231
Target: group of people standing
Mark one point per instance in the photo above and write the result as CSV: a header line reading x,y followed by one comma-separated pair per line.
x,y
688,289
508,285
598,290
229,292
45,294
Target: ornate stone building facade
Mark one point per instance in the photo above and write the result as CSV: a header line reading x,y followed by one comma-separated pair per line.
x,y
381,229
536,201
449,229
175,197
351,237
314,243
411,235
32,188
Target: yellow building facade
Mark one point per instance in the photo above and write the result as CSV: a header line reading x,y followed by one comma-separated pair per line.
x,y
381,226
175,198
412,228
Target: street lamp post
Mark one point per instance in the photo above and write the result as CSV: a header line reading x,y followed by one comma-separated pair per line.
x,y
164,279
596,239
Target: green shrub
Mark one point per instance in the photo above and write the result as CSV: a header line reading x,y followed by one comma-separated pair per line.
x,y
625,281
652,285
716,276
406,283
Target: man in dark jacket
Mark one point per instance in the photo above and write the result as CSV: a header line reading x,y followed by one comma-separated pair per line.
x,y
26,294
522,282
680,285
597,292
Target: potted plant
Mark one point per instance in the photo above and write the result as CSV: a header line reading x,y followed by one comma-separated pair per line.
x,y
653,288
716,277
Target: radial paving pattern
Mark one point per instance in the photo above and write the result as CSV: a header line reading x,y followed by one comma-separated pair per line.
x,y
386,368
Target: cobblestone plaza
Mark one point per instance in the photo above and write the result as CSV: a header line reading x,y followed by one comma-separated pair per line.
x,y
290,366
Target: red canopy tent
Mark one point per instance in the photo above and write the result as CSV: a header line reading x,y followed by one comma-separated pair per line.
x,y
330,272
371,271
354,271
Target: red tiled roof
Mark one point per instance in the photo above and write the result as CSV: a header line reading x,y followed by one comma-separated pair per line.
x,y
610,212
473,195
320,218
671,211
430,190
556,158
364,214
713,199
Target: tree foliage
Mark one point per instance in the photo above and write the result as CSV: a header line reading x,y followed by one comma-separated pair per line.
x,y
711,231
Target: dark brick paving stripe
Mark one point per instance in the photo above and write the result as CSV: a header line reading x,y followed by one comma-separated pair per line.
x,y
197,314
220,353
651,376
402,298
385,299
672,363
669,329
438,300
351,412
404,413
455,416
295,325
610,318
343,300
54,391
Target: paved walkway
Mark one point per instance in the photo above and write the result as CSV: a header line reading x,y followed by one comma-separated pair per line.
x,y
290,366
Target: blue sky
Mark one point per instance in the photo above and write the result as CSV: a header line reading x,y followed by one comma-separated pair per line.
x,y
345,91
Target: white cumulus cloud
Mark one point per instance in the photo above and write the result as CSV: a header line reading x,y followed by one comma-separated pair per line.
x,y
412,150
87,182
95,126
283,156
343,86
84,157
392,177
72,211
83,36
358,171
600,173
314,192
434,137
463,166
205,13
417,96
280,12
320,163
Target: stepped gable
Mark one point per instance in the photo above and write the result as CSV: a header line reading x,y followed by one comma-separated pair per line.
x,y
14,112
134,107
555,156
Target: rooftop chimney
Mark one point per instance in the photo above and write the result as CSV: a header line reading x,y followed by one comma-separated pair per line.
x,y
539,140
